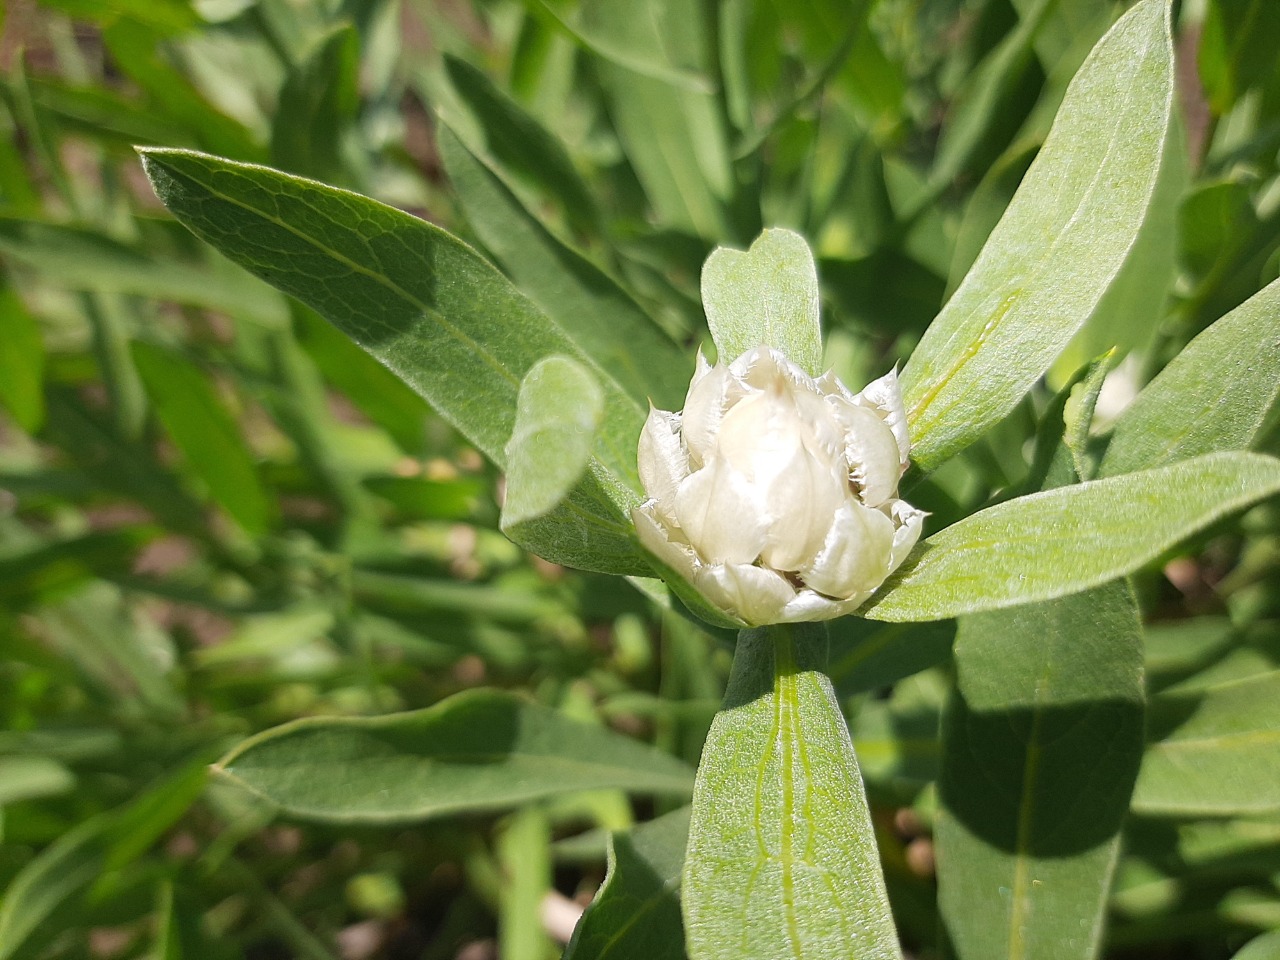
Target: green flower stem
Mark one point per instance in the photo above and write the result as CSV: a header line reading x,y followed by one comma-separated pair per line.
x,y
782,862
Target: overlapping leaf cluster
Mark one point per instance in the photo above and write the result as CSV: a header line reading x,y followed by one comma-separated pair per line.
x,y
225,508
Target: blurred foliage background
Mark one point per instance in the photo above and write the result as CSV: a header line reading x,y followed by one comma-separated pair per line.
x,y
217,514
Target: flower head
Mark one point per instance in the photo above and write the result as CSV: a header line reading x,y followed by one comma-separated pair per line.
x,y
776,494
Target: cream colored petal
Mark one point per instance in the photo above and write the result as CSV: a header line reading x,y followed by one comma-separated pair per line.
x,y
653,537
755,595
662,460
908,522
884,396
856,555
807,606
872,452
704,407
794,491
720,514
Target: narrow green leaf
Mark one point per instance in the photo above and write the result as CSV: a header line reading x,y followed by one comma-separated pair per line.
x,y
765,295
1066,540
557,415
39,893
673,136
42,897
868,656
1215,395
1041,744
79,258
32,777
508,136
636,912
318,102
383,397
782,860
1061,242
1216,751
568,288
44,572
205,432
21,362
428,307
476,751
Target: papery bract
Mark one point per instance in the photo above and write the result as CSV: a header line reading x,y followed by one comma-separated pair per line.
x,y
775,494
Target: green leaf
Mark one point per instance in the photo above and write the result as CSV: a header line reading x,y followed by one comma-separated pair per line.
x,y
476,751
1041,744
568,288
318,102
497,130
765,295
44,894
1059,245
1066,540
205,432
80,258
782,861
21,362
1215,395
429,308
671,130
557,415
52,569
1237,49
868,656
38,894
1216,751
32,777
373,388
1265,947
636,912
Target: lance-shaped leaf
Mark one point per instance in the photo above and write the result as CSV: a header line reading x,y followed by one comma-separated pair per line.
x,y
567,287
1217,751
476,751
205,432
636,913
1066,540
1041,744
428,307
1063,239
1214,395
765,295
782,860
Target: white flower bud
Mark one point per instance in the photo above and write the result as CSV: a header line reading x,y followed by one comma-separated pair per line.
x,y
774,493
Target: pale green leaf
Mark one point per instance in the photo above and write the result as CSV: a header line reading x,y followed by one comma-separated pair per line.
x,y
636,913
21,362
1030,806
1066,540
1217,751
476,751
569,289
206,433
782,861
558,413
1265,947
429,308
765,295
1064,237
1215,395
31,777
